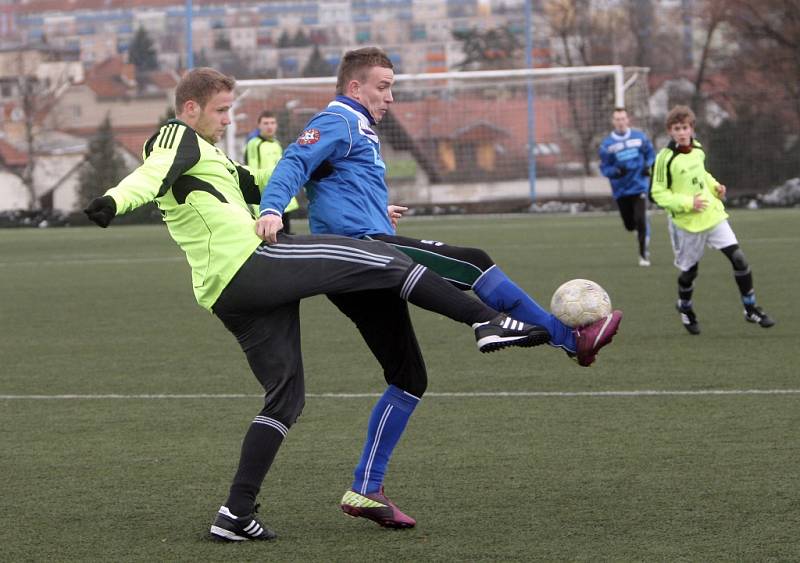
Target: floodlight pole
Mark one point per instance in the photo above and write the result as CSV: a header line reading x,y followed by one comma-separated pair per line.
x,y
189,48
531,113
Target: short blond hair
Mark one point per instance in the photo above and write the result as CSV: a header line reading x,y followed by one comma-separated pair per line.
x,y
200,85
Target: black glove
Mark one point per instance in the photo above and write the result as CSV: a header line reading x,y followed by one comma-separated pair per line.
x,y
621,171
646,172
101,210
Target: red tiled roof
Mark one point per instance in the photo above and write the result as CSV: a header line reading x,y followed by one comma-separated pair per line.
x,y
131,138
112,66
107,87
11,156
114,78
163,79
449,119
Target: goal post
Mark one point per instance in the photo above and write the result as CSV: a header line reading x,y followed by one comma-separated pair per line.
x,y
461,138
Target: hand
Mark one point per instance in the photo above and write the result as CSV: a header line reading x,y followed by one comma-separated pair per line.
x,y
721,191
646,171
395,213
101,210
621,171
699,203
267,227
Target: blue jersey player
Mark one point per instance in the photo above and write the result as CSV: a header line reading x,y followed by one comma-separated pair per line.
x,y
626,156
338,158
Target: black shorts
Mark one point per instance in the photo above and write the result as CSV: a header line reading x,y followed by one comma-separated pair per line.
x,y
633,210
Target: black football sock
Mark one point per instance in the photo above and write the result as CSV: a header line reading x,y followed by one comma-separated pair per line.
x,y
260,444
745,282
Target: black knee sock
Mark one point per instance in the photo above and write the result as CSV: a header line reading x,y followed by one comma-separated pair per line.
x,y
433,293
259,447
641,236
686,286
685,293
744,279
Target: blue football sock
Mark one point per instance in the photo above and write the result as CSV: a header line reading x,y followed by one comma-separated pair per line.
x,y
499,292
386,424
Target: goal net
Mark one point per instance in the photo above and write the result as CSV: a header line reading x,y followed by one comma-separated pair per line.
x,y
486,140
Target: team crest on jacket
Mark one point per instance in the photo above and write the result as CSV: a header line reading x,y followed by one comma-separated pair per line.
x,y
308,137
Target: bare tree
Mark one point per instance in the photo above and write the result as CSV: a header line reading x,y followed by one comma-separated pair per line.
x,y
767,33
713,13
493,49
641,19
32,95
578,29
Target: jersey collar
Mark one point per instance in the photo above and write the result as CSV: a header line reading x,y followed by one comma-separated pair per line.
x,y
617,137
351,103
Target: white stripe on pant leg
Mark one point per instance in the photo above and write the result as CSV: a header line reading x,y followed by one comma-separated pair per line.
x,y
374,449
369,262
342,247
332,248
411,281
325,251
276,424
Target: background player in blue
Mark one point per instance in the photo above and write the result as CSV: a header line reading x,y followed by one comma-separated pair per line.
x,y
337,157
626,156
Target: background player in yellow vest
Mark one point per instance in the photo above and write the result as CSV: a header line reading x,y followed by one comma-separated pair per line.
x,y
693,199
263,151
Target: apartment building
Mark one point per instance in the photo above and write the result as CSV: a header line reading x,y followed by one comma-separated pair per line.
x,y
97,29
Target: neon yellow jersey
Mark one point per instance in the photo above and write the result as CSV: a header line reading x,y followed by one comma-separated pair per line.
x,y
265,153
677,178
206,201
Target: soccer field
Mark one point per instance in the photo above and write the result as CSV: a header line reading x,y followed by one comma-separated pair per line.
x,y
123,405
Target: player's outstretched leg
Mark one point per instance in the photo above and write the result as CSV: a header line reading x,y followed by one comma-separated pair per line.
x,y
498,291
591,338
231,528
493,330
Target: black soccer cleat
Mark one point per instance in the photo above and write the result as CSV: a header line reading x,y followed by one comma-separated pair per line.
x,y
755,314
503,331
230,528
689,319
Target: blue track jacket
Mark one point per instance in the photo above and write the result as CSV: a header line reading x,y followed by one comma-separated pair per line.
x,y
338,158
624,159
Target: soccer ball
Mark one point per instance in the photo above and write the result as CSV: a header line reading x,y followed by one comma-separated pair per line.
x,y
580,302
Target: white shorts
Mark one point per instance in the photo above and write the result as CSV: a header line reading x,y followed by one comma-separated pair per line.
x,y
689,247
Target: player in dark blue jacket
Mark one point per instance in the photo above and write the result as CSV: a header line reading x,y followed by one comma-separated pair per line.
x,y
626,157
338,158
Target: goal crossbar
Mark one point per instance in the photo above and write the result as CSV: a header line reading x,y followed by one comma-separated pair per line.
x,y
616,71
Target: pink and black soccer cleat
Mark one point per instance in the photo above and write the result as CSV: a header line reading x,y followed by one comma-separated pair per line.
x,y
590,338
375,507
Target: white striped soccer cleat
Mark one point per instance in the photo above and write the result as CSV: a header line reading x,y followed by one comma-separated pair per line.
x,y
227,527
503,331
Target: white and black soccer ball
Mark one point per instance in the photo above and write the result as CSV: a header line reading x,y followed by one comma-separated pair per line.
x,y
580,302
